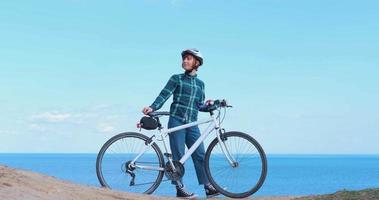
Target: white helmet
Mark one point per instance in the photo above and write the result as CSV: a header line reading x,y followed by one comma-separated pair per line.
x,y
196,53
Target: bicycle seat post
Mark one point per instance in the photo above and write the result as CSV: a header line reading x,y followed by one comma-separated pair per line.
x,y
159,123
211,112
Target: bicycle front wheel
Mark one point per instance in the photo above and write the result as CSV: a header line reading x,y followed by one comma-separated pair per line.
x,y
243,177
113,169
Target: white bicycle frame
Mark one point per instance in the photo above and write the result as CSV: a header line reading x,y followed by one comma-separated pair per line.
x,y
163,134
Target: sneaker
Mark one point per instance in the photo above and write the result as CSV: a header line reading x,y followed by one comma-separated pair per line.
x,y
183,193
210,191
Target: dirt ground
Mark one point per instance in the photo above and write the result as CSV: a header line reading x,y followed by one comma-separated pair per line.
x,y
26,185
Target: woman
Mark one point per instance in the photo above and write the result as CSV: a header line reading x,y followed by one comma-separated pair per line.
x,y
188,91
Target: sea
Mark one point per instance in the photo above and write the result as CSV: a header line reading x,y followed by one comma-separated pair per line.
x,y
287,175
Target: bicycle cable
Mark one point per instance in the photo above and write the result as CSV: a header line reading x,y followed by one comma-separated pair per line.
x,y
218,115
223,117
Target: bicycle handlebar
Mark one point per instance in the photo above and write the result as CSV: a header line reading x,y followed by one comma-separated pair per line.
x,y
208,106
211,105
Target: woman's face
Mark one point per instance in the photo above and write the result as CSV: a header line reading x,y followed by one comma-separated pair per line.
x,y
188,62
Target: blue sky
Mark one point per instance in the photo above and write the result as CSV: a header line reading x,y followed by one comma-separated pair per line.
x,y
301,75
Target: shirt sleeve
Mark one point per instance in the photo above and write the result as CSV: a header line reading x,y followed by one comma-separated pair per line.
x,y
202,99
165,93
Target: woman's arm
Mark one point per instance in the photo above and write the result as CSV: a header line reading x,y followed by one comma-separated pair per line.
x,y
201,104
202,99
165,93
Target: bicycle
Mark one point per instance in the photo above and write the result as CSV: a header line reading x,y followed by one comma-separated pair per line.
x,y
235,162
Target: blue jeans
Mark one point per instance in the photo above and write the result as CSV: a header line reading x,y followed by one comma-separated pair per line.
x,y
187,136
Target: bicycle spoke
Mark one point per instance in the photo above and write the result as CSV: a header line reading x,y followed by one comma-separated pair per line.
x,y
245,176
114,165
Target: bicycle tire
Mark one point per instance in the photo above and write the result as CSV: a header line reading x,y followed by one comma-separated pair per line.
x,y
123,136
219,187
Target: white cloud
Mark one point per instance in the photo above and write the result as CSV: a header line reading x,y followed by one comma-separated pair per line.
x,y
7,132
106,128
82,118
52,117
101,107
37,127
101,118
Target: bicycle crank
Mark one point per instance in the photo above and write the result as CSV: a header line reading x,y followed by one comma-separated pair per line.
x,y
176,174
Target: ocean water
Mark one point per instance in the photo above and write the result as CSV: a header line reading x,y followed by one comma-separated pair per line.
x,y
287,174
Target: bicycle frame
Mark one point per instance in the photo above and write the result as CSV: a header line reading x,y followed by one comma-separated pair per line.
x,y
214,125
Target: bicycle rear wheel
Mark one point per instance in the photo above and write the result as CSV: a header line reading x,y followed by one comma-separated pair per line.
x,y
249,172
114,157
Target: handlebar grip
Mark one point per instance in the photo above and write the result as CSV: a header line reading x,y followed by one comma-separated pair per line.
x,y
213,105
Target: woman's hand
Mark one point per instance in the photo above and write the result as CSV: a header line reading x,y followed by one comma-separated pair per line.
x,y
147,110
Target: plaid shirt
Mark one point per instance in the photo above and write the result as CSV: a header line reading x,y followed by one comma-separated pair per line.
x,y
188,95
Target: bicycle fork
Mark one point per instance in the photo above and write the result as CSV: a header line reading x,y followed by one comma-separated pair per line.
x,y
221,138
